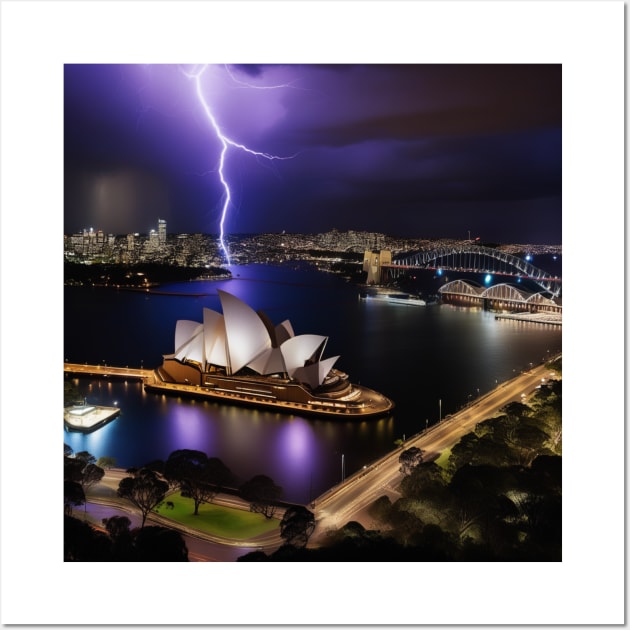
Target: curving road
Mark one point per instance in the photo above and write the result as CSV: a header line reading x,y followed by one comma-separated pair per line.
x,y
349,501
103,502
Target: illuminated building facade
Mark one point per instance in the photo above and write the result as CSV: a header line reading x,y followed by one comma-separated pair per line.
x,y
240,356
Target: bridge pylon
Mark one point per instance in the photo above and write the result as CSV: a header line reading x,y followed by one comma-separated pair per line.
x,y
372,263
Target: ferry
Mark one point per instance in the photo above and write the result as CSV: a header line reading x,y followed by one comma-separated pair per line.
x,y
395,298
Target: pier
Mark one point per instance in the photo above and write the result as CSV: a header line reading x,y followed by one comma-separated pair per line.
x,y
554,319
88,418
107,371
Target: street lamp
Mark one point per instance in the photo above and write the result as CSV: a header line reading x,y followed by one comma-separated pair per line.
x,y
440,401
343,467
426,425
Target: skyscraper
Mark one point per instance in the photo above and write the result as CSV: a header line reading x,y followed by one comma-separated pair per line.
x,y
162,232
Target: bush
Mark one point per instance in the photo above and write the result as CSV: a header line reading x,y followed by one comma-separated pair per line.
x,y
380,509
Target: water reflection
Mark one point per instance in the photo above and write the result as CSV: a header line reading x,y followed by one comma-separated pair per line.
x,y
416,356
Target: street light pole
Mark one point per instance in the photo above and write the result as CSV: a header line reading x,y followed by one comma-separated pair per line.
x,y
440,401
343,467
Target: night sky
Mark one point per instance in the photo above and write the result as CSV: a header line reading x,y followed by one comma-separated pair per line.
x,y
426,151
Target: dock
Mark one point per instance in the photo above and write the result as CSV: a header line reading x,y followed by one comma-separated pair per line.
x,y
87,418
554,319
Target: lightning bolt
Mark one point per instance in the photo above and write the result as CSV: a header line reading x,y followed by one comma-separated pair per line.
x,y
226,143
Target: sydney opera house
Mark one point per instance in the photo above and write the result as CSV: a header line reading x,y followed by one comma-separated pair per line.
x,y
239,356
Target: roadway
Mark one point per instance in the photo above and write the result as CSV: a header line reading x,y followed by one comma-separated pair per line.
x,y
350,500
104,502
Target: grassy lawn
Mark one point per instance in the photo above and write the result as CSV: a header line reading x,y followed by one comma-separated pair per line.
x,y
443,458
215,519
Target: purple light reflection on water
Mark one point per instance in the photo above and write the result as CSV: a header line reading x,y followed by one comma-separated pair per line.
x,y
296,455
188,427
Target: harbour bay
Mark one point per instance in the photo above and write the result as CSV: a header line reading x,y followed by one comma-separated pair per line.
x,y
430,360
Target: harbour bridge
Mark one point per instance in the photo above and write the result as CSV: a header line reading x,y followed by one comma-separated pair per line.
x,y
465,258
498,297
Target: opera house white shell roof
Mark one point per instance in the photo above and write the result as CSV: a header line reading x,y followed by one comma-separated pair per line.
x,y
242,338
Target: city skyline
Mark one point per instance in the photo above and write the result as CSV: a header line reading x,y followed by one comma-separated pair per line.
x,y
430,151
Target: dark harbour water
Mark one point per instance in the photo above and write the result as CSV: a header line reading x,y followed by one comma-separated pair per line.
x,y
415,355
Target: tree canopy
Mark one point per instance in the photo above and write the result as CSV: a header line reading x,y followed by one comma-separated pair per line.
x,y
198,476
78,470
84,543
263,495
409,459
144,489
297,525
106,461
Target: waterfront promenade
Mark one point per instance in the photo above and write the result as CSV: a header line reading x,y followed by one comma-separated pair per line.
x,y
106,371
554,319
367,402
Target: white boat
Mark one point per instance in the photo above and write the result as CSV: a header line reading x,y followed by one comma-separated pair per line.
x,y
395,298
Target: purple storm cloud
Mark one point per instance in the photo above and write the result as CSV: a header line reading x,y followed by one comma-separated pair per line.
x,y
418,150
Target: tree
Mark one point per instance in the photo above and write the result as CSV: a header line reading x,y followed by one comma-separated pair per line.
x,y
73,495
91,475
297,525
145,490
409,459
263,495
83,543
76,470
516,410
426,479
198,476
85,457
117,526
381,508
484,511
405,523
106,462
73,469
159,544
119,530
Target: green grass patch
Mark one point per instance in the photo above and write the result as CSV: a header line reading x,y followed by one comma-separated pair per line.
x,y
216,519
442,460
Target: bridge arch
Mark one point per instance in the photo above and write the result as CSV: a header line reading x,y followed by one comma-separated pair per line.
x,y
478,259
461,287
505,291
541,300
